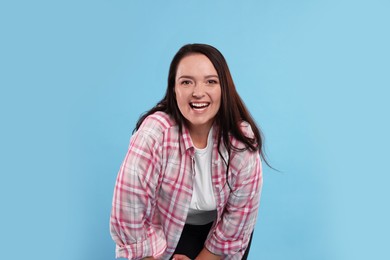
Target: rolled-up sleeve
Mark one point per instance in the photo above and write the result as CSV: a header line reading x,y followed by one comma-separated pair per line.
x,y
131,224
231,235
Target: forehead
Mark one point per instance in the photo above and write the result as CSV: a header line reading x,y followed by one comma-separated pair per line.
x,y
195,64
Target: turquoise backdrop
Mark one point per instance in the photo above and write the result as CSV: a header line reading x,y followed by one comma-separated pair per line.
x,y
76,75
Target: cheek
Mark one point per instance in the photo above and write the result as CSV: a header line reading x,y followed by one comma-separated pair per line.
x,y
177,95
218,97
180,100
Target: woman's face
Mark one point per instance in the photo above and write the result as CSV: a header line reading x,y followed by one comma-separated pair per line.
x,y
198,91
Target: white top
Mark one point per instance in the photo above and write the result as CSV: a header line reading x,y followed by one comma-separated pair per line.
x,y
203,205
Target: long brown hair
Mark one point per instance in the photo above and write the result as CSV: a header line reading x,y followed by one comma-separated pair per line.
x,y
231,112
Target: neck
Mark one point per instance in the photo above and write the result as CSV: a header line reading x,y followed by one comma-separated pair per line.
x,y
199,137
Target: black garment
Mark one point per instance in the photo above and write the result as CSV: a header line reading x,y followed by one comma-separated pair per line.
x,y
192,240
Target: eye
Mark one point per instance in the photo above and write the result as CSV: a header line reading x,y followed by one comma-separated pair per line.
x,y
185,82
212,81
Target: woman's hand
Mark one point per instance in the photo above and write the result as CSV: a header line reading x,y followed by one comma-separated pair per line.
x,y
180,257
203,255
207,255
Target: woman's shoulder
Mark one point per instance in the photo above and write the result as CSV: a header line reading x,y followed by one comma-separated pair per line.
x,y
246,129
157,122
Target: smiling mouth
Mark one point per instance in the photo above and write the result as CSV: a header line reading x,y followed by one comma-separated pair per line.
x,y
199,105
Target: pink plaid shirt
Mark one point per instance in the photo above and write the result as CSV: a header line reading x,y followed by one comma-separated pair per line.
x,y
154,187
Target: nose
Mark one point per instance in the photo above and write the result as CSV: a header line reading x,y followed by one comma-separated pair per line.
x,y
198,91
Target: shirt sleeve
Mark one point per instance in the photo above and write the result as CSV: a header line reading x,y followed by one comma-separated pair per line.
x,y
231,235
131,224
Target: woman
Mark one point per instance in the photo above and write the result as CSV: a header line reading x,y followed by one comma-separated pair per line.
x,y
190,184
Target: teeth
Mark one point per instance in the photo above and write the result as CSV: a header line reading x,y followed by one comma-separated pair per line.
x,y
199,105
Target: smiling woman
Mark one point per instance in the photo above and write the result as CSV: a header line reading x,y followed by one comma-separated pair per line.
x,y
189,186
198,95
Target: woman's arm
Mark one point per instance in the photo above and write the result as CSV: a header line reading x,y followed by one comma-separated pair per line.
x,y
232,233
207,255
203,255
133,199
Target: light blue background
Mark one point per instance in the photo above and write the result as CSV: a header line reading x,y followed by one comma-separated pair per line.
x,y
75,76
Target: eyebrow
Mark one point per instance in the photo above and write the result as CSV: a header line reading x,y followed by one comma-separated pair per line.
x,y
191,77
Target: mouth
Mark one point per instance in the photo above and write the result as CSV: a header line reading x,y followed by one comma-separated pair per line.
x,y
199,105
